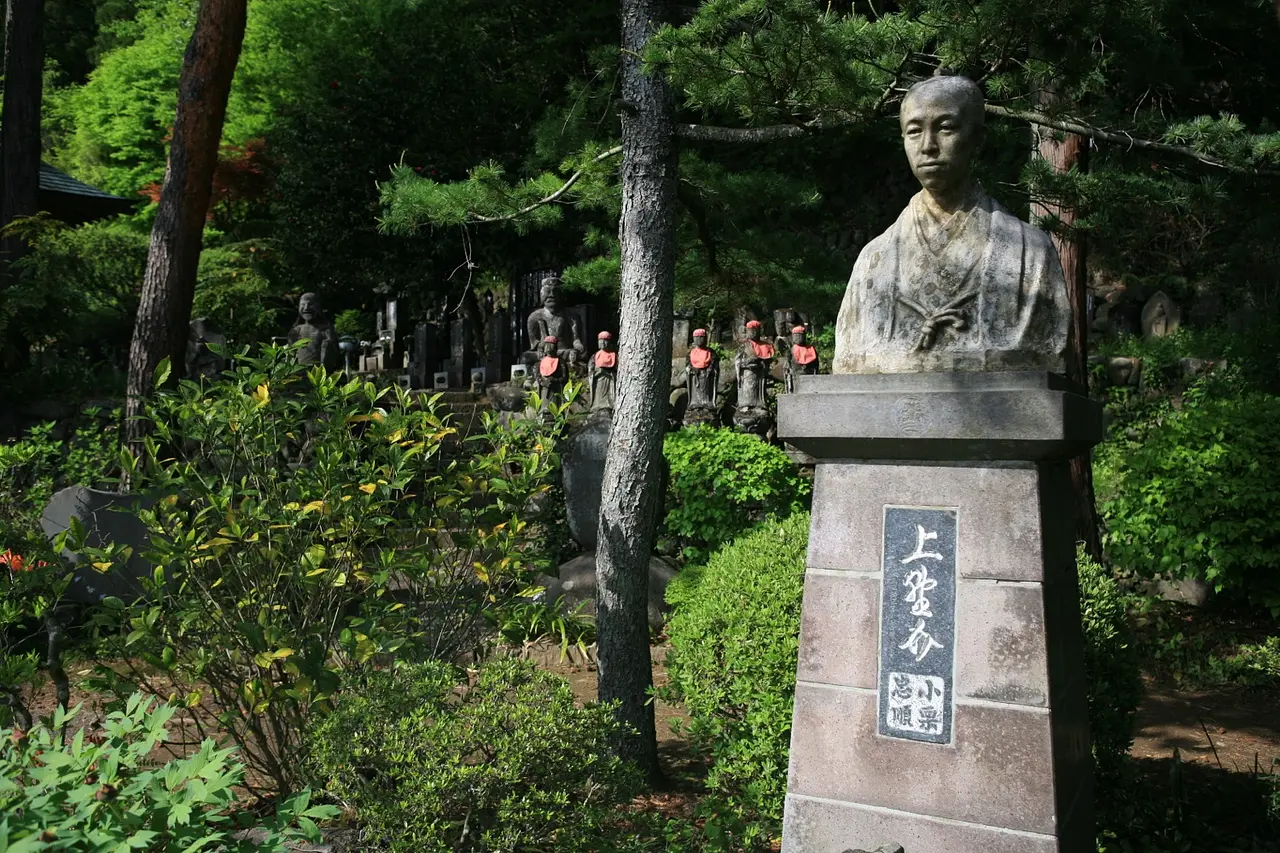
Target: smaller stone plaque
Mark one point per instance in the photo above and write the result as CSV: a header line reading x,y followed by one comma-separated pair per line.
x,y
918,623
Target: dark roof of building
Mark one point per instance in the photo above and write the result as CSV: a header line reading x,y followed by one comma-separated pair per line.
x,y
56,180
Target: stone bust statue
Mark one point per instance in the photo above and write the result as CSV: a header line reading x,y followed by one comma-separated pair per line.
x,y
551,320
313,327
957,283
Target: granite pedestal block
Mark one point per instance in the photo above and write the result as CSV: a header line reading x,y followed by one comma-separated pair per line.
x,y
940,698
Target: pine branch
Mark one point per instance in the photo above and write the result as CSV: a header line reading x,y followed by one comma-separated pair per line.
x,y
1127,140
553,197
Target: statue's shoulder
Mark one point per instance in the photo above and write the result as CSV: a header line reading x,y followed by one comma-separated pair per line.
x,y
1034,238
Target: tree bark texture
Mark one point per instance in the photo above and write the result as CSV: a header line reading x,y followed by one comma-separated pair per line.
x,y
168,284
20,137
631,497
1063,152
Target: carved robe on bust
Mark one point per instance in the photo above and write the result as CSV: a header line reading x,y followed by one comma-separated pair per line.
x,y
957,283
603,376
702,379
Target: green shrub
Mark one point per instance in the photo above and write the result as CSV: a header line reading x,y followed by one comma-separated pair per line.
x,y
734,634
302,526
1196,495
506,762
104,793
1111,666
721,483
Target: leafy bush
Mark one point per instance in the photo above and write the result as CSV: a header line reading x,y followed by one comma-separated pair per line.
x,y
734,635
721,483
504,762
302,526
1111,666
103,793
1195,495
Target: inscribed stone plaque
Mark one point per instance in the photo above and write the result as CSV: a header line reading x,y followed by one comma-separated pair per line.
x,y
918,624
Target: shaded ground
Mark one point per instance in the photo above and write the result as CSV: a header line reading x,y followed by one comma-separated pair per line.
x,y
1232,728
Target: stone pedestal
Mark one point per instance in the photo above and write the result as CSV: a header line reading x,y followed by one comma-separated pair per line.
x,y
940,698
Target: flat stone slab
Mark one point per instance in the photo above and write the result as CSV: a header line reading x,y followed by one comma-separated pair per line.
x,y
1025,416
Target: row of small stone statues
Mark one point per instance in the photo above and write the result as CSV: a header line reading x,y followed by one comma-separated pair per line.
x,y
753,364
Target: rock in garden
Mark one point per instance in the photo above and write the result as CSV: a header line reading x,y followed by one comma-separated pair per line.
x,y
107,518
582,469
577,583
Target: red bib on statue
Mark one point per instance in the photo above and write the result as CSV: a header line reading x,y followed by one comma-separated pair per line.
x,y
762,349
549,365
700,357
803,355
606,359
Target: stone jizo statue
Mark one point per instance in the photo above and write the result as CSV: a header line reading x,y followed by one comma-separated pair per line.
x,y
957,283
804,359
702,379
603,375
202,361
552,370
313,327
551,320
752,364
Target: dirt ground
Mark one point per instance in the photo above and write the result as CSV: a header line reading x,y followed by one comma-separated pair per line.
x,y
1233,729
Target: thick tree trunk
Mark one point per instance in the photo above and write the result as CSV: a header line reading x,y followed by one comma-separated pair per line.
x,y
632,497
168,285
1064,151
20,139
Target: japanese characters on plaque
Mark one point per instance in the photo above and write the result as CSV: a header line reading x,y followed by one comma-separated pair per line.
x,y
918,623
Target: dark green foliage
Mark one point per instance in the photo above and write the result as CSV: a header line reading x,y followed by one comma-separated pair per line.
x,y
94,793
303,526
1111,666
1193,493
504,761
734,643
721,483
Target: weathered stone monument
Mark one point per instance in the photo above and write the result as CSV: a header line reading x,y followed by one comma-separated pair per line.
x,y
940,697
552,320
314,327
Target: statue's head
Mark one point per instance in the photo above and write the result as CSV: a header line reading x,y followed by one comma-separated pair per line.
x,y
753,330
699,337
604,341
943,126
799,334
310,308
550,292
549,344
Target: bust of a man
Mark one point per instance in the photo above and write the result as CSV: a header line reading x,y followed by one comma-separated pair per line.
x,y
313,327
551,320
957,283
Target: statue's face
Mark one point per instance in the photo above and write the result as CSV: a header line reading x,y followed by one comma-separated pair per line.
x,y
605,344
550,297
309,307
548,348
798,338
699,340
753,333
941,135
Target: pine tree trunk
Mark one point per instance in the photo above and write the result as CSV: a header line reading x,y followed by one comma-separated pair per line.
x,y
20,139
168,284
631,497
1063,152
